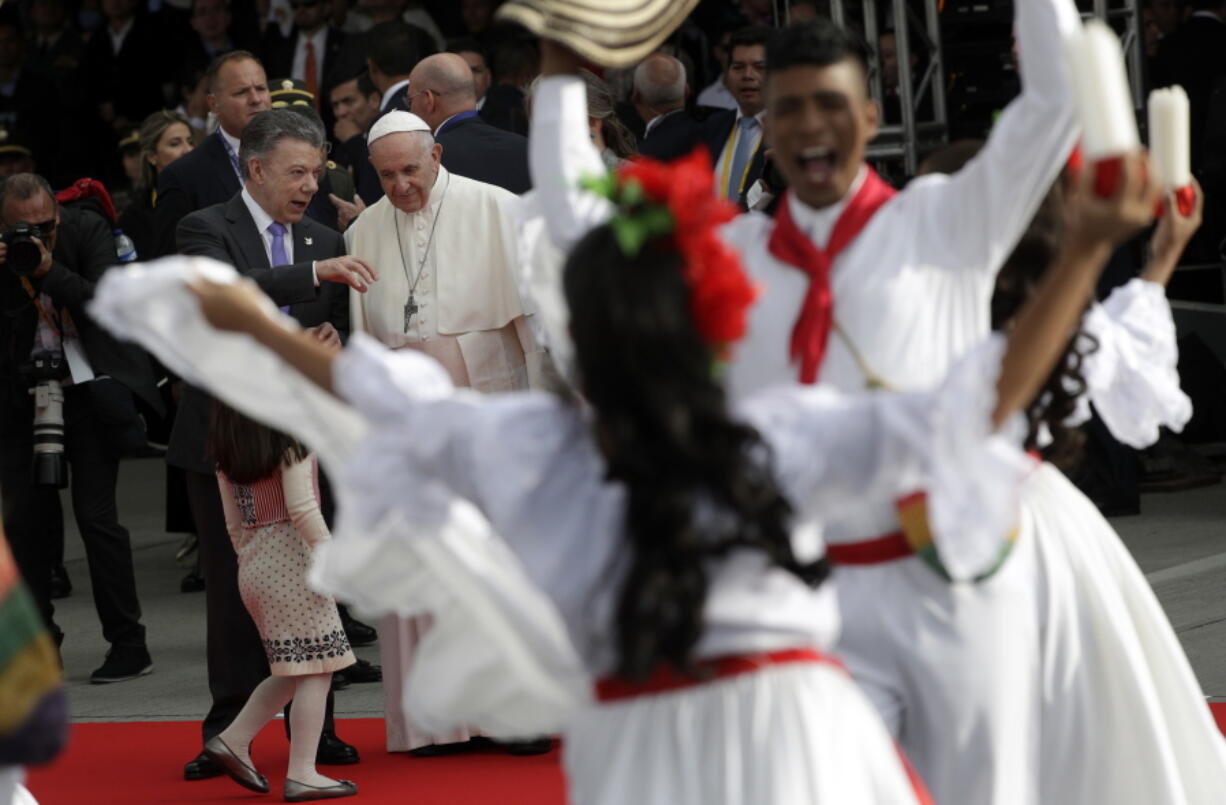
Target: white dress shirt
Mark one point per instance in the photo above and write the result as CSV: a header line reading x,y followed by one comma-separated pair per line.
x,y
262,220
320,40
400,86
118,37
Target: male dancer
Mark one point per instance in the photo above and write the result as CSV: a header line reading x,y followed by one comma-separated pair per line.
x,y
953,668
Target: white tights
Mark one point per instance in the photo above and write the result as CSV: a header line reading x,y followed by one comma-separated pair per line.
x,y
306,721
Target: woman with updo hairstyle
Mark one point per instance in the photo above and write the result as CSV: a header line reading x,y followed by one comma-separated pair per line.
x,y
164,137
676,535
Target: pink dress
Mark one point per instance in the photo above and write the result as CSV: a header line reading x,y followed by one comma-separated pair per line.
x,y
274,524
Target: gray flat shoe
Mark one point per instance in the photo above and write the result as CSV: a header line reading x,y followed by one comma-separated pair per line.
x,y
238,771
301,792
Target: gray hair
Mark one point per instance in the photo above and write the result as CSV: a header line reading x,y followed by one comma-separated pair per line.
x,y
660,80
267,129
22,186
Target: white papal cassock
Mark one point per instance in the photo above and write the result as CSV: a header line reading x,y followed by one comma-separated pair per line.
x,y
964,674
469,318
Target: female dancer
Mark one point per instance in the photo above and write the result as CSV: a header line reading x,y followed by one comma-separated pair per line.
x,y
270,494
660,524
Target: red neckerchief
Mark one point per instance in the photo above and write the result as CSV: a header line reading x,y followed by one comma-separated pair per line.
x,y
789,245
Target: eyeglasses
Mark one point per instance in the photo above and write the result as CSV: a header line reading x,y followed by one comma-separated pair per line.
x,y
46,227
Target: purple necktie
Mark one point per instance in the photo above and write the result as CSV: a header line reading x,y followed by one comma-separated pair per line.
x,y
279,258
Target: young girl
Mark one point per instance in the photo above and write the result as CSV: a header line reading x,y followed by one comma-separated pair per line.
x,y
270,493
676,537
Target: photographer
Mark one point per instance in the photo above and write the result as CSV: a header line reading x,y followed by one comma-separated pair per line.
x,y
66,402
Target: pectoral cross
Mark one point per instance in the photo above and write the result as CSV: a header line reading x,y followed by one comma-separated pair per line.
x,y
410,308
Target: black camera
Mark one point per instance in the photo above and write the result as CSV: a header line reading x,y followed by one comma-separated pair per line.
x,y
24,255
45,371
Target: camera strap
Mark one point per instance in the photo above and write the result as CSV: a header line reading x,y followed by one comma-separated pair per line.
x,y
42,311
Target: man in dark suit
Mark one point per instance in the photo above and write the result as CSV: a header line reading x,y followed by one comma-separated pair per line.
x,y
209,174
46,327
659,98
442,93
1192,57
515,62
117,62
310,52
262,231
355,104
735,137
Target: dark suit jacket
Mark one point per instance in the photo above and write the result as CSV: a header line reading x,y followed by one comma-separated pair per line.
x,y
673,137
278,54
477,150
504,109
125,78
716,130
227,232
84,250
357,156
200,178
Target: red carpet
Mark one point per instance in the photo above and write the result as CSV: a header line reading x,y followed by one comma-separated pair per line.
x,y
142,762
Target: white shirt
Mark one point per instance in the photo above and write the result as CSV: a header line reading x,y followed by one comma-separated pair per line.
x,y
320,40
400,86
717,95
262,221
118,37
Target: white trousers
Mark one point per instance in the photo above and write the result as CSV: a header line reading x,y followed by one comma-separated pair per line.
x,y
953,669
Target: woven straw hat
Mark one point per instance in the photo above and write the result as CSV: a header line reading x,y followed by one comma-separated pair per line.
x,y
611,33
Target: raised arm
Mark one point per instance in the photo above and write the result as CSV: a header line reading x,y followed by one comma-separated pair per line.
x,y
560,150
971,220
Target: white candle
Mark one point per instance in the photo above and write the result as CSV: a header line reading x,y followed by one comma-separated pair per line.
x,y
1104,103
1169,137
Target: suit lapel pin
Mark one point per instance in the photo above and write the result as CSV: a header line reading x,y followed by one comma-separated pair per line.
x,y
309,241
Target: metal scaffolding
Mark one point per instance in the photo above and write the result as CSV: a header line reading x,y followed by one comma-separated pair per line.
x,y
915,29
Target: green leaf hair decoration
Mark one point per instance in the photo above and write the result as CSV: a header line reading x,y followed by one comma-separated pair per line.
x,y
638,219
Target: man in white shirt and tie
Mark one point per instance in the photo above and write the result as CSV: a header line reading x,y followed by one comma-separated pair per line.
x,y
735,137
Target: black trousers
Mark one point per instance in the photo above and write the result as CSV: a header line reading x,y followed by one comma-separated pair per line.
x,y
30,517
234,652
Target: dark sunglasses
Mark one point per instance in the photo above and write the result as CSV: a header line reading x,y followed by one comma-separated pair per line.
x,y
46,227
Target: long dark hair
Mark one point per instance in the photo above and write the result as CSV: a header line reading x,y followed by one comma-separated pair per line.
x,y
1014,285
699,483
245,450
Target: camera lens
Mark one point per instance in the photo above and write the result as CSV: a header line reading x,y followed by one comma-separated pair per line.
x,y
24,256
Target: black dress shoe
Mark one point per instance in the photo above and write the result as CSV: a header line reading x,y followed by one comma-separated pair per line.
x,y
538,746
239,771
335,752
193,582
360,672
359,633
339,682
61,585
123,663
201,767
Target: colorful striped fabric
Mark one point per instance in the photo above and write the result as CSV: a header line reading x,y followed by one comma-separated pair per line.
x,y
32,707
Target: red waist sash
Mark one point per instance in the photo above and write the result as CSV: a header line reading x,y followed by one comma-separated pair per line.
x,y
666,678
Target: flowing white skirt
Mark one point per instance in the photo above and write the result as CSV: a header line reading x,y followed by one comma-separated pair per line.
x,y
398,639
1124,719
799,734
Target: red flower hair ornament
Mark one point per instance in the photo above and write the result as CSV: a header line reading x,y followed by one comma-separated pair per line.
x,y
677,202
